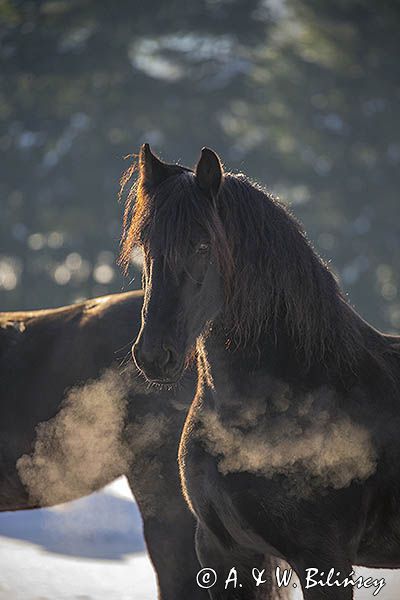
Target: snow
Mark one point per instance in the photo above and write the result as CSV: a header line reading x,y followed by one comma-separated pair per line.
x,y
93,549
89,549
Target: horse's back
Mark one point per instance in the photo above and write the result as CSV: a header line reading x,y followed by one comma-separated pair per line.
x,y
45,353
50,337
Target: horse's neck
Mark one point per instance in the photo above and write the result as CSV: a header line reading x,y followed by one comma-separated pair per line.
x,y
245,370
251,373
238,372
275,354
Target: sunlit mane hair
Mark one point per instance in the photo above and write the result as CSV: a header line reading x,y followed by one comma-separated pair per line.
x,y
175,213
271,273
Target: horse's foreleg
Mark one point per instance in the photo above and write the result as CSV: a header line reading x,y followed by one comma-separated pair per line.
x,y
313,571
169,530
234,571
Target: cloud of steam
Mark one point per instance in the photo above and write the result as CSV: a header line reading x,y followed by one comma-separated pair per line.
x,y
306,439
82,447
100,432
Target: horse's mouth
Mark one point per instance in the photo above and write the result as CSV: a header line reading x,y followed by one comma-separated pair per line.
x,y
165,382
171,379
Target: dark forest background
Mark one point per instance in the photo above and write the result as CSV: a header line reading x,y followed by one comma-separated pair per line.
x,y
303,96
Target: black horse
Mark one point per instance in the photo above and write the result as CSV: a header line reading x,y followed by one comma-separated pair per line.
x,y
291,446
56,445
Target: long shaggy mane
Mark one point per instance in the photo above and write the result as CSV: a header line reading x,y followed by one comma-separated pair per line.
x,y
270,271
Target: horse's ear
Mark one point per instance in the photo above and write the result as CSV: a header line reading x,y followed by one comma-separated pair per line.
x,y
209,172
152,169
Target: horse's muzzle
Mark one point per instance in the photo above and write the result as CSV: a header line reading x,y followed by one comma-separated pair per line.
x,y
159,364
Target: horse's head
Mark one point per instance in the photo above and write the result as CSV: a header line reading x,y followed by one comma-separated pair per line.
x,y
175,222
219,248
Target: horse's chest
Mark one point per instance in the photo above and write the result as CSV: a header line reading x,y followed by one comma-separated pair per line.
x,y
301,437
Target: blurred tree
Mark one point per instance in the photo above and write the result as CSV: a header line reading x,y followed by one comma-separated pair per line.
x,y
321,115
83,84
301,95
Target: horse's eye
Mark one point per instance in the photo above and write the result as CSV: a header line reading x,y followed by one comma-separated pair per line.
x,y
202,248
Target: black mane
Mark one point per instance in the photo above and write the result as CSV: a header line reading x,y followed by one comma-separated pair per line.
x,y
270,269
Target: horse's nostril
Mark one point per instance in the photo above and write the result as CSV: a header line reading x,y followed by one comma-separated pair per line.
x,y
168,358
155,361
163,359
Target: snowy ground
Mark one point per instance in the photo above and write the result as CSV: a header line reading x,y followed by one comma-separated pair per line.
x,y
92,549
85,550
